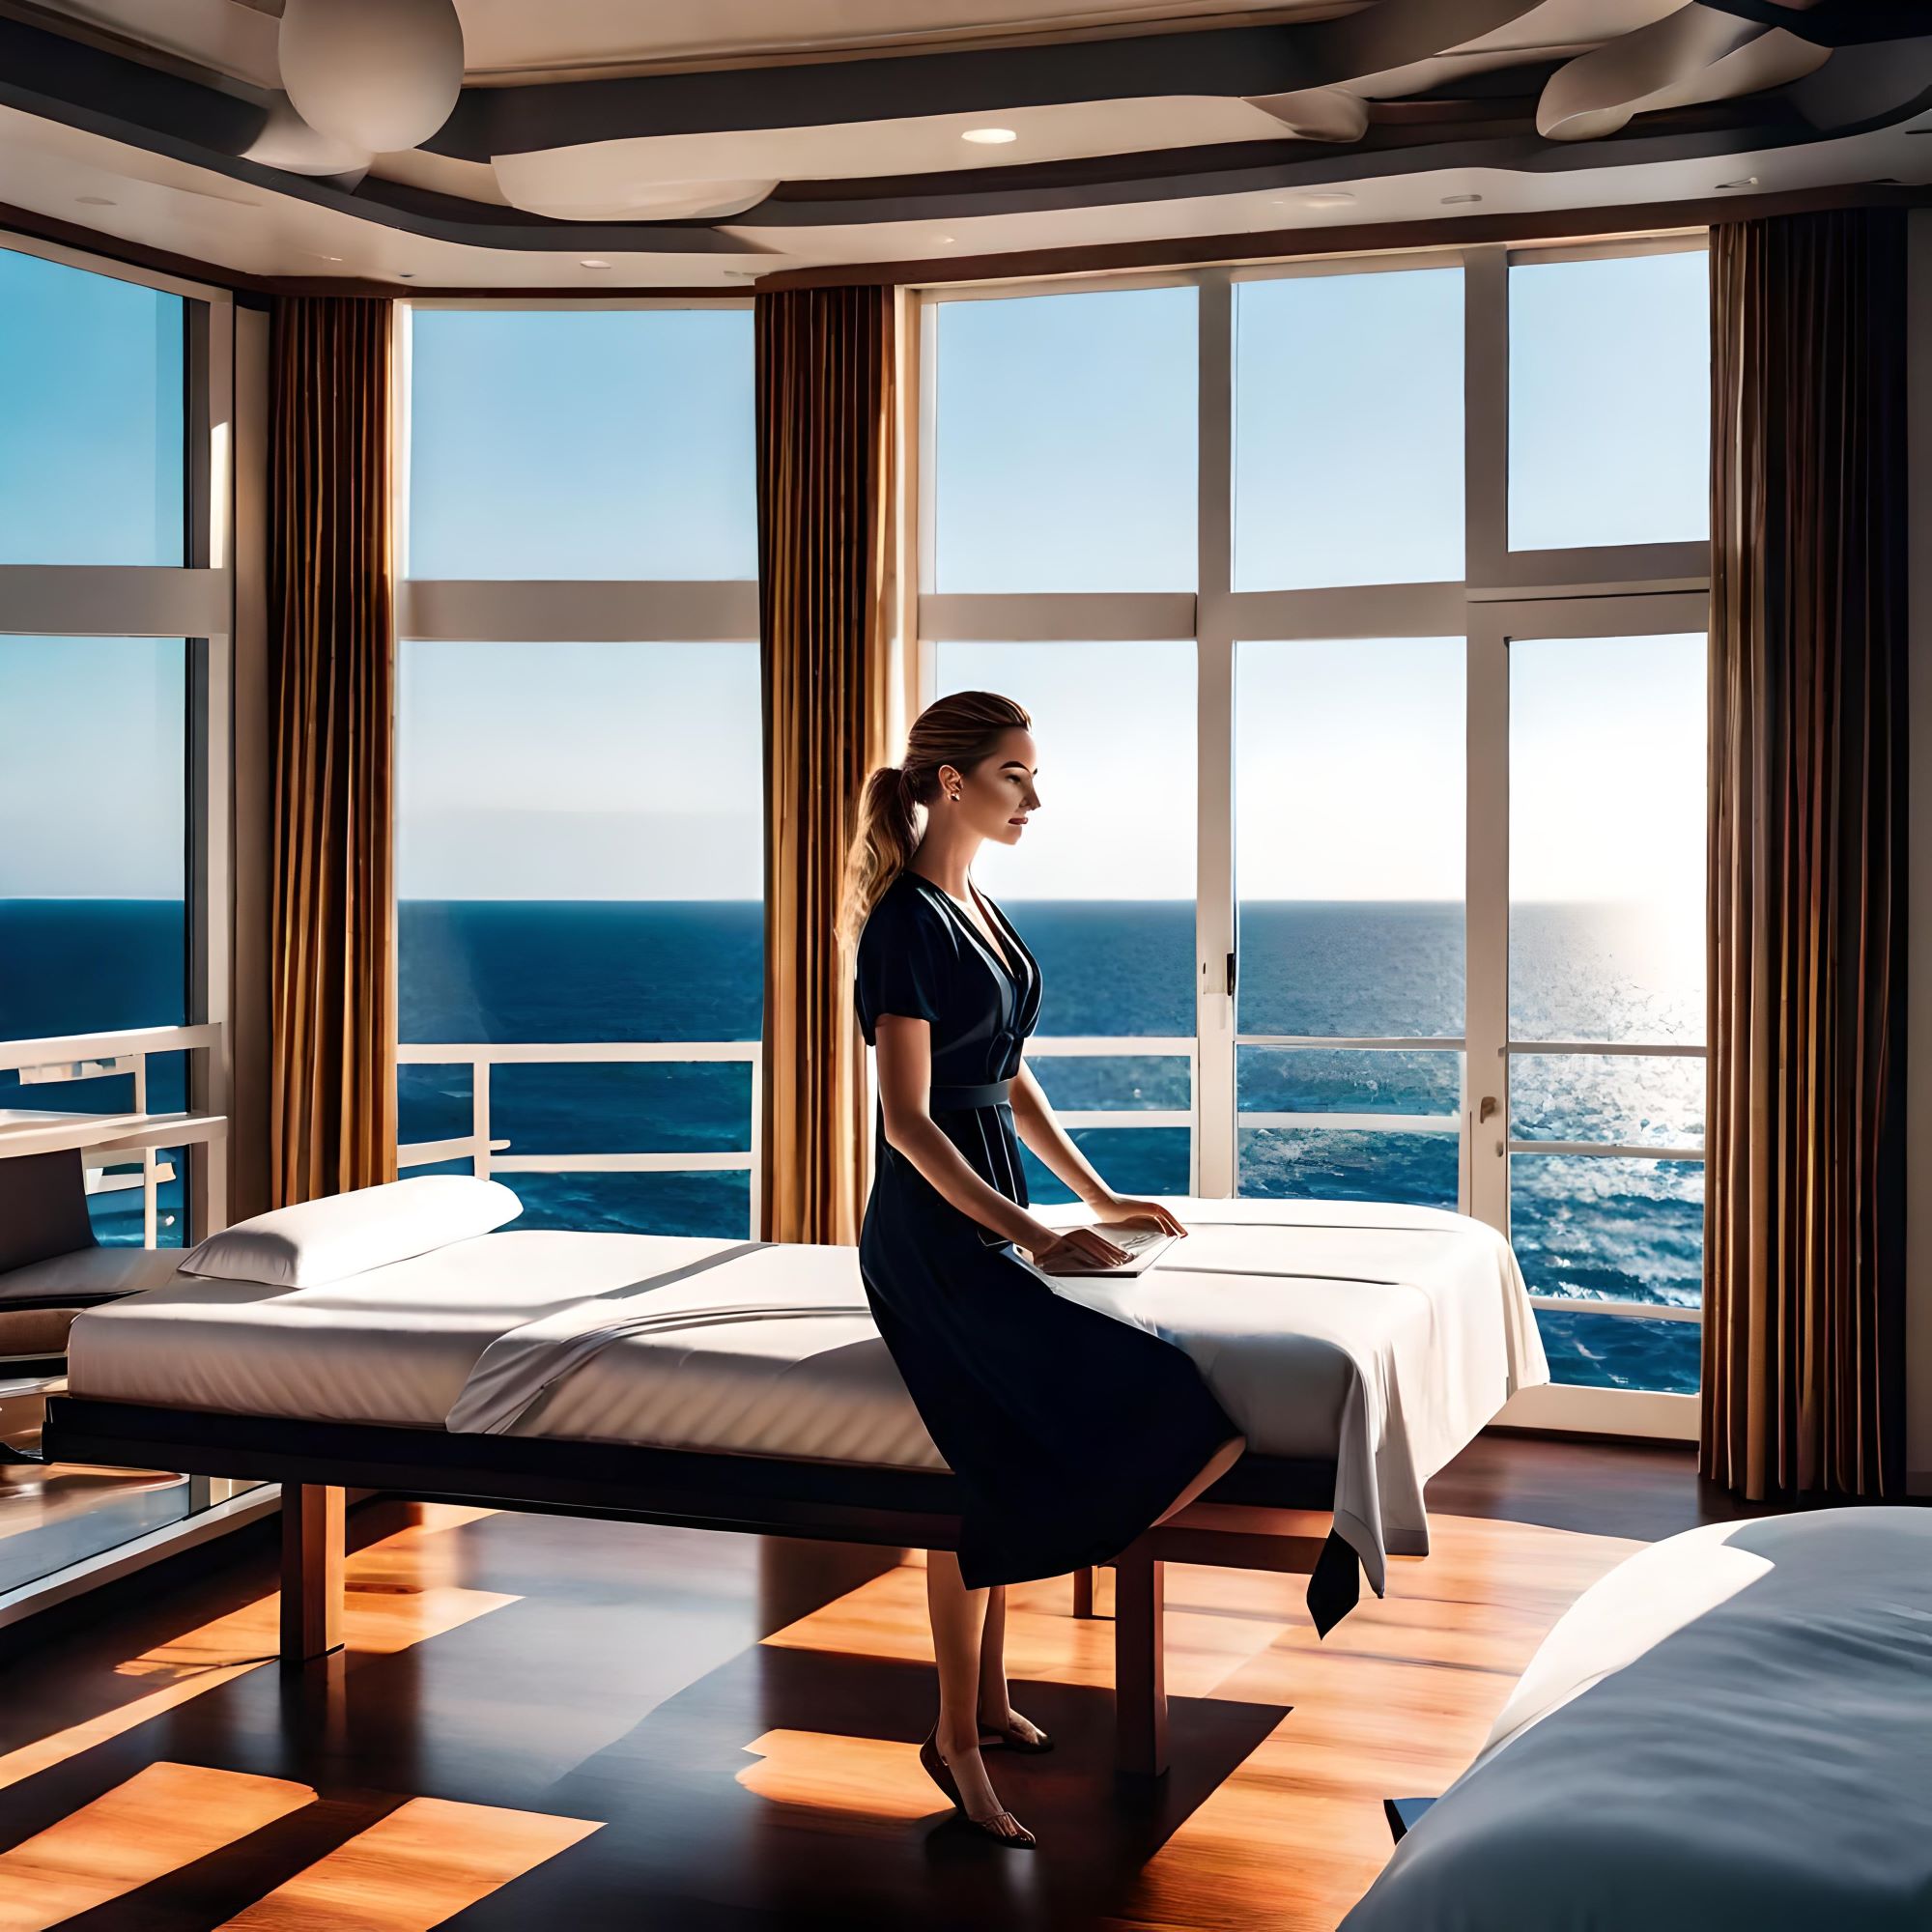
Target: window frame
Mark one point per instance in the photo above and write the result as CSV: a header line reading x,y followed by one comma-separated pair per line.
x,y
1600,590
194,601
563,611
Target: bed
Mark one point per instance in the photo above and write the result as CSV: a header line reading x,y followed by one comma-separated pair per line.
x,y
1733,1728
742,1385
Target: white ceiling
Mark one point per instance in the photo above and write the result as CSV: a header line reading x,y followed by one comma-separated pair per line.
x,y
126,191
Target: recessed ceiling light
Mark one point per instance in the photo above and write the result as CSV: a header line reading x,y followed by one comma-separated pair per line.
x,y
1459,200
989,138
329,258
593,262
407,274
943,241
1327,197
1746,181
96,201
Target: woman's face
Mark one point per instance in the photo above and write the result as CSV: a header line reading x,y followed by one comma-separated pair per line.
x,y
999,794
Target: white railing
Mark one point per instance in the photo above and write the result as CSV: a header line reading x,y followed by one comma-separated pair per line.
x,y
108,1139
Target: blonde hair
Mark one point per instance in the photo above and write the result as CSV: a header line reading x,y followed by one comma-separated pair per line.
x,y
958,731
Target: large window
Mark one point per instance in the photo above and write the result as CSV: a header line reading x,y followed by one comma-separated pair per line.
x,y
114,396
1413,550
580,800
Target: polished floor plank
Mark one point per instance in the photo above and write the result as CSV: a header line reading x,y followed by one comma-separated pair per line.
x,y
163,1817
423,1864
715,1732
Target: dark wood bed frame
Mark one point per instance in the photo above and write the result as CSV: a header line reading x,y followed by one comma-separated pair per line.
x,y
1265,1514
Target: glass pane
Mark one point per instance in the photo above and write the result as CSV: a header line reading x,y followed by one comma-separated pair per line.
x,y
1348,430
1593,1227
580,858
93,414
1340,1164
1606,839
1293,1080
1609,407
92,891
432,1104
1102,884
1349,788
1621,1352
1132,1160
668,1107
1133,1082
1619,1098
1065,443
582,442
116,1201
717,1205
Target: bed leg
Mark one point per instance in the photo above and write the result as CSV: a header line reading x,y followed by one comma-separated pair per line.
x,y
312,1552
1083,1592
1140,1662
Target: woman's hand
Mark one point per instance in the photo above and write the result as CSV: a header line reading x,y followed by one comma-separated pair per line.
x,y
1126,1210
1085,1245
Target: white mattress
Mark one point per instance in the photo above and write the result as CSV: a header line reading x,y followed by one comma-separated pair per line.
x,y
1384,1337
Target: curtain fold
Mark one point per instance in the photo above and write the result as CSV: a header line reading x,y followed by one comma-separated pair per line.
x,y
332,677
1804,1206
824,452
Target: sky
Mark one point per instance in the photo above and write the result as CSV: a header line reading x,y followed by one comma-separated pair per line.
x,y
619,442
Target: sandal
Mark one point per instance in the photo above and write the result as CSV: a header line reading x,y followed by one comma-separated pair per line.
x,y
939,1772
1005,1737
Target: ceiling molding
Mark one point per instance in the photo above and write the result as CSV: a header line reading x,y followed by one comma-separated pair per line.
x,y
1293,244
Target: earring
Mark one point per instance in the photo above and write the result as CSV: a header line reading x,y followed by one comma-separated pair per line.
x,y
953,795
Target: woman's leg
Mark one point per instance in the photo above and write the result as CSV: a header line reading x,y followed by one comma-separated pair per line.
x,y
958,1622
995,1712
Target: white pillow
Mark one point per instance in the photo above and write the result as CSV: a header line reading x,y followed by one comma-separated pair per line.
x,y
91,1271
349,1233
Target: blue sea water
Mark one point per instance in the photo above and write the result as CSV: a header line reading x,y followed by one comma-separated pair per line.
x,y
507,971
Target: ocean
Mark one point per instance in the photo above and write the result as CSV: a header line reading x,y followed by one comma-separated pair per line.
x,y
509,971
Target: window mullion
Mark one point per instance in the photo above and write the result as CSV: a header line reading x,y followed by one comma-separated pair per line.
x,y
1214,1090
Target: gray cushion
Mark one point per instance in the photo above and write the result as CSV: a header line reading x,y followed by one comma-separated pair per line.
x,y
42,1207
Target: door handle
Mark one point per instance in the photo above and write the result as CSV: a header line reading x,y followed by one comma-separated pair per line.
x,y
1489,1105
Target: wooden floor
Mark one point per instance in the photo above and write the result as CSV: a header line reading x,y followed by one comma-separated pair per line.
x,y
542,1723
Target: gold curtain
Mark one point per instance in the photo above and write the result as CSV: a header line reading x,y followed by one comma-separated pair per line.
x,y
825,454
1804,1206
332,678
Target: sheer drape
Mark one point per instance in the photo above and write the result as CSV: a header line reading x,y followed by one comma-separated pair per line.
x,y
824,435
1805,1213
332,677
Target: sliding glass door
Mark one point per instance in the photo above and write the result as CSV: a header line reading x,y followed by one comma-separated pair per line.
x,y
1435,625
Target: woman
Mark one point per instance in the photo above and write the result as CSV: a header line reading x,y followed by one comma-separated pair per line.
x,y
1068,1431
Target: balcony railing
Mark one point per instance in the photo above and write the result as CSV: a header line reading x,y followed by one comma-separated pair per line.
x,y
106,1138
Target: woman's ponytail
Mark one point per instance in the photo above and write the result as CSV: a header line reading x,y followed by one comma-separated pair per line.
x,y
959,730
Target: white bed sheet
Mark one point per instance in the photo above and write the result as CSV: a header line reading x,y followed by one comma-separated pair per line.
x,y
1384,1337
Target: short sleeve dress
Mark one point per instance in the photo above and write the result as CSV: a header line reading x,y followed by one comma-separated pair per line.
x,y
1069,1432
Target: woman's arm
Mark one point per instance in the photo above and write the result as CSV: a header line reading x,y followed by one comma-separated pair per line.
x,y
1033,1116
905,1076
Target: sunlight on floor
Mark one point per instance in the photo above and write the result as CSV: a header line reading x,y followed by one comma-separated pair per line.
x,y
163,1818
824,1772
388,1607
423,1864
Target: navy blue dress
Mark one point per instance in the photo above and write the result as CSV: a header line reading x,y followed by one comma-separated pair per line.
x,y
1069,1432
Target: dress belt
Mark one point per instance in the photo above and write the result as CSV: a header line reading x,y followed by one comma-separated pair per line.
x,y
948,1100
